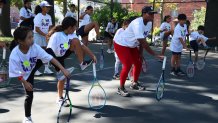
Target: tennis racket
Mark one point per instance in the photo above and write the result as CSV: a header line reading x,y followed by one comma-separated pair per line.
x,y
201,63
4,78
161,82
63,116
97,96
190,70
144,66
101,61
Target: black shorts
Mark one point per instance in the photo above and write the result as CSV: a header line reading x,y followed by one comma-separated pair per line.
x,y
81,31
107,35
177,53
194,45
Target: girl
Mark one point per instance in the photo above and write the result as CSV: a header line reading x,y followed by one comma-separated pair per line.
x,y
26,15
23,63
42,24
86,25
117,62
126,47
62,43
165,30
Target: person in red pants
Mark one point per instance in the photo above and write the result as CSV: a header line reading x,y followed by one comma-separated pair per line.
x,y
129,47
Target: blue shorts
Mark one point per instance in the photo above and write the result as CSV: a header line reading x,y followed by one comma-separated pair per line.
x,y
40,40
81,31
177,53
194,45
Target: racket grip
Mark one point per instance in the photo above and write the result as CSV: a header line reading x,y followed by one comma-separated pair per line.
x,y
94,69
164,63
4,53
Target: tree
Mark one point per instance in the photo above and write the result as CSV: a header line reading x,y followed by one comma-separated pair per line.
x,y
199,18
5,25
51,12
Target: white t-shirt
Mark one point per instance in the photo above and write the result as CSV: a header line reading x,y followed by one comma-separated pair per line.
x,y
179,32
22,64
164,26
25,13
71,14
43,22
85,21
196,36
59,43
111,28
119,31
135,30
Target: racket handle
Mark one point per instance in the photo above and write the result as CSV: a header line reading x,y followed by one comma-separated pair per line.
x,y
4,53
164,63
94,69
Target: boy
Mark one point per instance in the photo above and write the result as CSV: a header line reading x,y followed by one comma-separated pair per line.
x,y
72,12
197,38
177,44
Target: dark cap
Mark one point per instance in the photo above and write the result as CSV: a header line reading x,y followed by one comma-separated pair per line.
x,y
149,10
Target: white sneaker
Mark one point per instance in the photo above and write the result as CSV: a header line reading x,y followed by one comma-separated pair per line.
x,y
27,120
109,51
47,71
37,73
112,51
60,100
85,64
60,75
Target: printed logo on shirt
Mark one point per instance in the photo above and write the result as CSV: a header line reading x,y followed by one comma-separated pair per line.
x,y
28,65
45,22
64,47
145,33
183,32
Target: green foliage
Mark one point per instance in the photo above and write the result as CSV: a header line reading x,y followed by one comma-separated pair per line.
x,y
199,18
156,31
6,39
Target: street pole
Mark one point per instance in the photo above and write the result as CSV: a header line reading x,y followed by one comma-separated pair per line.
x,y
78,3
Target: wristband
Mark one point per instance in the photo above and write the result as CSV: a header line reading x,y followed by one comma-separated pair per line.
x,y
20,78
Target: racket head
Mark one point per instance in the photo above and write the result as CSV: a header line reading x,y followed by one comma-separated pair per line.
x,y
200,64
96,97
160,88
190,70
4,76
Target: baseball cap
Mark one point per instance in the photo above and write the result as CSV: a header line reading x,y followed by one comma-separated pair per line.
x,y
44,4
149,10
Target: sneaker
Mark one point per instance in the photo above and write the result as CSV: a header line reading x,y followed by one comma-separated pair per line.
x,y
180,72
116,76
174,73
137,86
27,120
47,71
60,75
123,92
37,73
85,64
60,100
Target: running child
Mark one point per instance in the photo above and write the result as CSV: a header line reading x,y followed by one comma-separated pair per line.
x,y
178,42
22,62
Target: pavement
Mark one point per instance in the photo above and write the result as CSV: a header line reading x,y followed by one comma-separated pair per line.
x,y
186,100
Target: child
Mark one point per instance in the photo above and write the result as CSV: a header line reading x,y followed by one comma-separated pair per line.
x,y
72,12
109,33
117,62
198,38
86,25
22,62
60,47
177,44
42,24
165,30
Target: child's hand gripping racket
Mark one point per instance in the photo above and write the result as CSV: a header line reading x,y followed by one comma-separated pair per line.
x,y
62,117
4,79
190,70
97,95
201,63
160,84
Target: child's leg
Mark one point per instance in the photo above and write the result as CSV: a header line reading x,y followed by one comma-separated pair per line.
x,y
77,48
137,61
85,40
164,47
60,87
117,64
90,26
173,63
178,62
196,57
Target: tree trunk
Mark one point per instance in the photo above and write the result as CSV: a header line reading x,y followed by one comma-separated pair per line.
x,y
211,27
51,12
5,25
64,7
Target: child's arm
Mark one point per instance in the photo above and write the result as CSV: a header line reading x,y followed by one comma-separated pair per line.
x,y
28,86
89,52
213,38
40,32
82,15
183,43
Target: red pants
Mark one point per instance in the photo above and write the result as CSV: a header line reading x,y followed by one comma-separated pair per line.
x,y
128,57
